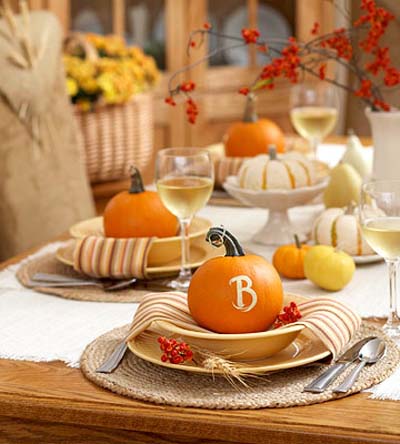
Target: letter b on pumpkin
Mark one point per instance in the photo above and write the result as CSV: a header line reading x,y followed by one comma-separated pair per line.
x,y
243,285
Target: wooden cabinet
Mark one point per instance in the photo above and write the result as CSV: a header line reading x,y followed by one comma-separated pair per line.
x,y
163,27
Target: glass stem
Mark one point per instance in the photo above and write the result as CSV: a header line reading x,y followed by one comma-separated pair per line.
x,y
185,272
393,321
314,146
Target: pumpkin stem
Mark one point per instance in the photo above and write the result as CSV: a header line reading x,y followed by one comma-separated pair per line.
x,y
350,208
217,236
250,114
136,181
272,152
297,241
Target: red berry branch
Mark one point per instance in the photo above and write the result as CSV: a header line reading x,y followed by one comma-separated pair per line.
x,y
311,57
174,351
291,313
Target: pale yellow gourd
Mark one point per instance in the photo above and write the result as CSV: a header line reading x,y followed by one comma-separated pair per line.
x,y
340,228
268,172
344,187
355,156
328,268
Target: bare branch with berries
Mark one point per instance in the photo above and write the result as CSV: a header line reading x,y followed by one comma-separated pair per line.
x,y
310,57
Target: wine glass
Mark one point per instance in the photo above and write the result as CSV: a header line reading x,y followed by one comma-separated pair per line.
x,y
313,111
185,179
379,214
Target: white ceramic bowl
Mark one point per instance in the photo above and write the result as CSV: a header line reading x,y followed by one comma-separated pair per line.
x,y
277,230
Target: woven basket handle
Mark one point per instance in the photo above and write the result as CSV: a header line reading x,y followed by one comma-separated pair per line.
x,y
76,40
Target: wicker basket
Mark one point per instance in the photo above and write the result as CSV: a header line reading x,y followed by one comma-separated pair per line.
x,y
116,137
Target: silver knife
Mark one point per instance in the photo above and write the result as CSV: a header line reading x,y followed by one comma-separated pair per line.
x,y
321,383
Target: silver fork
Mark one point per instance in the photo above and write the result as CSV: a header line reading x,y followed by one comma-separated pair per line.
x,y
83,283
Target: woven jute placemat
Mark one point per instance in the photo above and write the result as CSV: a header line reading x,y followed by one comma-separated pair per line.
x,y
141,380
49,264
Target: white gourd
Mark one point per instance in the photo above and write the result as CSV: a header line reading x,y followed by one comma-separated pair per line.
x,y
354,155
265,172
337,228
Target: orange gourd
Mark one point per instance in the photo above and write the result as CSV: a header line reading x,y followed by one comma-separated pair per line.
x,y
289,259
138,213
235,293
253,135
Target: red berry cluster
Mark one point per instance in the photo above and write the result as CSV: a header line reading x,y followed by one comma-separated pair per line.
x,y
291,313
174,351
170,101
322,71
250,35
378,19
365,89
340,43
315,28
187,86
192,110
285,66
244,90
207,26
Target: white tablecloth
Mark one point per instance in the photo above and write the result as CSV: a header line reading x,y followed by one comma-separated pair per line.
x,y
40,327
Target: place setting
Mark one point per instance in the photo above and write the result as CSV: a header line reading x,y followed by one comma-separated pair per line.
x,y
136,244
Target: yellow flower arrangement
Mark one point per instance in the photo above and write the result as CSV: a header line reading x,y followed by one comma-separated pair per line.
x,y
115,76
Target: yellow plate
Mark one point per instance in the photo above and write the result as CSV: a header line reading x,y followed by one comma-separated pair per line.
x,y
199,253
303,350
162,251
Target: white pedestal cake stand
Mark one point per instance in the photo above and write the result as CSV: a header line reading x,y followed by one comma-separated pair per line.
x,y
278,229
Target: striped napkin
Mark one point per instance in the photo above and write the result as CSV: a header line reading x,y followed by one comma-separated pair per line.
x,y
227,166
109,257
331,321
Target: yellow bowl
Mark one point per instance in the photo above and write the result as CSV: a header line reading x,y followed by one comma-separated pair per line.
x,y
163,250
244,347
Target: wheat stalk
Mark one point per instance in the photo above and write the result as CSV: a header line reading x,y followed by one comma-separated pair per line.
x,y
233,372
8,15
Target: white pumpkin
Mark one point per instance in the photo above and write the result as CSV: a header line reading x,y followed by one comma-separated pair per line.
x,y
337,228
266,172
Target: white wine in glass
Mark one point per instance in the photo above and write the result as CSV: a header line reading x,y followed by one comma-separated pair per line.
x,y
383,234
314,122
186,195
314,111
380,222
185,179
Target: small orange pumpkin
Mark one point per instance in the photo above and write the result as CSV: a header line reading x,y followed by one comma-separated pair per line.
x,y
236,293
253,135
289,259
138,213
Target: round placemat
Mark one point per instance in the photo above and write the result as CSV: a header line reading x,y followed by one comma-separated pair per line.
x,y
49,264
141,380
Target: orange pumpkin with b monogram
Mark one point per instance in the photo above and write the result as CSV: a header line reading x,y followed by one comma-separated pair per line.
x,y
235,293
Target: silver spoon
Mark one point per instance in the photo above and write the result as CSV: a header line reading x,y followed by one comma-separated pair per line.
x,y
370,353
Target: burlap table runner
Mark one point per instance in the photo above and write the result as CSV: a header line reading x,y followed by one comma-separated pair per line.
x,y
141,380
49,264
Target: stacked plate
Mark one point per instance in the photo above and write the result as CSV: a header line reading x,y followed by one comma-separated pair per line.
x,y
164,256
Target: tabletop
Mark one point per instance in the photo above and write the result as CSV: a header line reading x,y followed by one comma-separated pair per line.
x,y
51,403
